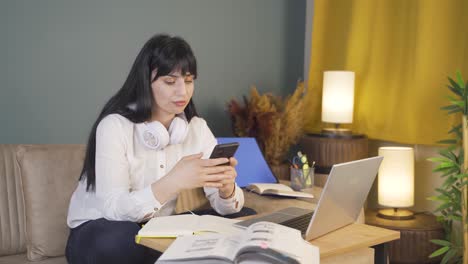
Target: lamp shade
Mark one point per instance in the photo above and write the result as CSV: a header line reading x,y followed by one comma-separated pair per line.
x,y
338,97
396,177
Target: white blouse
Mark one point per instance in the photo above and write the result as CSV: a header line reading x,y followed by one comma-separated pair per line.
x,y
125,170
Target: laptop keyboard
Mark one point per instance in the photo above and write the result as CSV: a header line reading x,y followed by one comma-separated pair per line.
x,y
300,223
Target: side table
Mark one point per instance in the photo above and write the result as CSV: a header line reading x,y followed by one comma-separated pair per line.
x,y
414,245
329,149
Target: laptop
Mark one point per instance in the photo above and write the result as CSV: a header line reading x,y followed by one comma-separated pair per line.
x,y
342,198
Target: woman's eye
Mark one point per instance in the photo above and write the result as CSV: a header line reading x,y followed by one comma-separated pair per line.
x,y
169,81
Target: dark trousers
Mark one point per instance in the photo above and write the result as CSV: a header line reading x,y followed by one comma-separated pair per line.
x,y
105,241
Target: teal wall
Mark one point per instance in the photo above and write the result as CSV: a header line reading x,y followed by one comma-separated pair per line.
x,y
61,60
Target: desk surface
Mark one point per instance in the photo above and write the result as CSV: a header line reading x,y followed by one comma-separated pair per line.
x,y
346,239
343,240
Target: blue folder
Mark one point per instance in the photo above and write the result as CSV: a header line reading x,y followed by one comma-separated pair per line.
x,y
252,167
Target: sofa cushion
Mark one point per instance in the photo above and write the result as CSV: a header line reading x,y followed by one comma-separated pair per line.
x,y
12,231
49,175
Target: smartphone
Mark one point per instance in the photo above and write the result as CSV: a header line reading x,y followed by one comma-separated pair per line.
x,y
225,150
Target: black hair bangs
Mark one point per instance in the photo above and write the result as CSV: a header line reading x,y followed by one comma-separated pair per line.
x,y
175,56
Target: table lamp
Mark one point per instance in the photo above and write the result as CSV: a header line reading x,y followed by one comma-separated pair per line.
x,y
338,100
396,182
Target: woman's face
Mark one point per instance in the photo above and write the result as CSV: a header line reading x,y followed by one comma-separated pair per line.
x,y
172,93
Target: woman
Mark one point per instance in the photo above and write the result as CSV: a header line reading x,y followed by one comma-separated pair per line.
x,y
146,146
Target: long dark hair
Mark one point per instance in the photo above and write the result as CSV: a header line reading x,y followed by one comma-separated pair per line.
x,y
162,52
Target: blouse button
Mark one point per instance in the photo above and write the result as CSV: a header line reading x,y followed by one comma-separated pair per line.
x,y
161,166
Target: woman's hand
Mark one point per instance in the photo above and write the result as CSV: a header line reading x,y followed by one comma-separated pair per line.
x,y
192,172
229,185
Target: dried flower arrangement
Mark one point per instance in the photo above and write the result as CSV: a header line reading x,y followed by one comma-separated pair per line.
x,y
277,124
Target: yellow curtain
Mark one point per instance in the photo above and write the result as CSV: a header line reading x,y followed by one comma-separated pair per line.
x,y
402,52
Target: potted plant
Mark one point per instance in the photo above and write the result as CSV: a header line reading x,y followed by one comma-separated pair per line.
x,y
274,121
453,165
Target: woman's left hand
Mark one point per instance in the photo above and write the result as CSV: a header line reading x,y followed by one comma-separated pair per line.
x,y
229,185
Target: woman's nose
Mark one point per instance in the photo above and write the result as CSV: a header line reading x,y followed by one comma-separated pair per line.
x,y
181,88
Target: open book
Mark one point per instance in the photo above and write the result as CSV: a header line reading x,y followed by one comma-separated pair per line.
x,y
262,242
189,224
276,189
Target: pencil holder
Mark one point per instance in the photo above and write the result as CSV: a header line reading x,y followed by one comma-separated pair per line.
x,y
301,178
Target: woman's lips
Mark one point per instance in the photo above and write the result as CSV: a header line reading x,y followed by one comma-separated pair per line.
x,y
180,103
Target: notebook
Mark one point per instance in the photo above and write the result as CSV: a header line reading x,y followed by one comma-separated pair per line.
x,y
189,224
277,189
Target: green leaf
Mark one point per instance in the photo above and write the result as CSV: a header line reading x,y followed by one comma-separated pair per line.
x,y
456,86
456,111
438,159
461,176
455,191
440,198
451,107
459,134
446,193
450,172
460,81
449,182
450,254
456,90
443,206
458,103
455,218
441,169
439,252
455,128
446,164
448,154
441,242
447,141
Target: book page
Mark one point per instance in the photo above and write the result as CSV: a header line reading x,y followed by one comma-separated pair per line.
x,y
271,237
181,225
170,226
274,186
202,247
216,224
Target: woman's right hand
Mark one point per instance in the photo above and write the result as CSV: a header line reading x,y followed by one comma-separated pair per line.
x,y
192,172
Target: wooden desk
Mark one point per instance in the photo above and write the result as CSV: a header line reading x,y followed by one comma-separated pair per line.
x,y
344,240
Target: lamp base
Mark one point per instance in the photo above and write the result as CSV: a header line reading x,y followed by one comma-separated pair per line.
x,y
396,214
336,131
